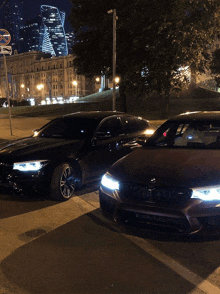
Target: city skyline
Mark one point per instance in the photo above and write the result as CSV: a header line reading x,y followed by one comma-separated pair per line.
x,y
23,20
32,8
52,34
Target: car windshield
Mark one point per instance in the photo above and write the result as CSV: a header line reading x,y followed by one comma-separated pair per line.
x,y
187,134
69,128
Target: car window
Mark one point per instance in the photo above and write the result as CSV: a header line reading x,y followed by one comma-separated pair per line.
x,y
192,134
134,124
162,139
200,134
69,128
109,127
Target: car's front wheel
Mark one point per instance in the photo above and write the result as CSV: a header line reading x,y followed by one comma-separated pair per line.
x,y
63,182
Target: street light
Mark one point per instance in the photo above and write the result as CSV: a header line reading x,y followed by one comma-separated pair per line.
x,y
22,92
114,56
117,79
40,87
75,84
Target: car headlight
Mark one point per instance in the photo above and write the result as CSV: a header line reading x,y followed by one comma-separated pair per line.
x,y
34,165
207,193
110,182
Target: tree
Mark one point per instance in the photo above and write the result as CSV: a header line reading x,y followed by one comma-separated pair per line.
x,y
155,39
215,66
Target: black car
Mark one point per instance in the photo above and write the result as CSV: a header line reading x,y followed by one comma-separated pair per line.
x,y
70,151
172,183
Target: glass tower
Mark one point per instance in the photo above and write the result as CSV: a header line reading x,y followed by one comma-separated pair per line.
x,y
29,35
52,33
11,19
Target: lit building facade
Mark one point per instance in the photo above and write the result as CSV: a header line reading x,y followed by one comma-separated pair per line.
x,y
52,34
36,75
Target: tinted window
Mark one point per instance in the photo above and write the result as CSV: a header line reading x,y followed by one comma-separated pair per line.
x,y
69,128
134,124
111,126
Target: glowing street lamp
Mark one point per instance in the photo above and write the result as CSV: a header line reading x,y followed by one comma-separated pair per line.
x,y
22,92
117,80
75,84
40,87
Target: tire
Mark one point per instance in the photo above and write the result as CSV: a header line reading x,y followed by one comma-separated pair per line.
x,y
63,182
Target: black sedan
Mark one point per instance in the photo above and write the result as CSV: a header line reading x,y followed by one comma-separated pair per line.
x,y
172,184
70,151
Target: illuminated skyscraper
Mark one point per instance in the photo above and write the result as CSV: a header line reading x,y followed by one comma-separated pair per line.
x,y
29,35
52,34
11,19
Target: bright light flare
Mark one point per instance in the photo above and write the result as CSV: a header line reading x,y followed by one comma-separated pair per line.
x,y
207,193
29,165
149,132
109,182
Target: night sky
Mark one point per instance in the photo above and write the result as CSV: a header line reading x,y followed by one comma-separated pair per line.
x,y
32,7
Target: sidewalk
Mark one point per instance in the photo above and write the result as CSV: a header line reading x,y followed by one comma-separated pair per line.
x,y
21,126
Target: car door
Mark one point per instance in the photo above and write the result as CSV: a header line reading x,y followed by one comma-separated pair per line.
x,y
104,150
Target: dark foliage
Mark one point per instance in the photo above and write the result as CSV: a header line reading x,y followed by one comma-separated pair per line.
x,y
155,39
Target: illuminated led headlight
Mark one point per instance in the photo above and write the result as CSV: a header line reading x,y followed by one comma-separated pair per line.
x,y
207,193
29,165
109,182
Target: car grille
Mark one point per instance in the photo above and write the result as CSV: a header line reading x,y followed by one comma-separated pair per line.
x,y
141,193
210,221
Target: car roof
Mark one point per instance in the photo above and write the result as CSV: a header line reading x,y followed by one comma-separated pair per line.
x,y
95,114
197,116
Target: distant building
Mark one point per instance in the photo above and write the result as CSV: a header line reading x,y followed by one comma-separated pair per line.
x,y
70,36
30,35
70,39
11,19
36,75
52,33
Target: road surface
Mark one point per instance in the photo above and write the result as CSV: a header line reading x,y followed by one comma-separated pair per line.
x,y
70,248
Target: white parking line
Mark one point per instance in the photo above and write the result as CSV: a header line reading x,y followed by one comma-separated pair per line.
x,y
204,285
181,270
52,217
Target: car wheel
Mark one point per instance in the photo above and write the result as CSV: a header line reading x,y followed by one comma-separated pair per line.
x,y
63,182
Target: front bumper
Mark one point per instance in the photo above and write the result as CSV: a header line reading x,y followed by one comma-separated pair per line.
x,y
22,181
184,218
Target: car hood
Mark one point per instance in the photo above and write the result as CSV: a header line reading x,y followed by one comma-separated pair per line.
x,y
33,147
169,167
